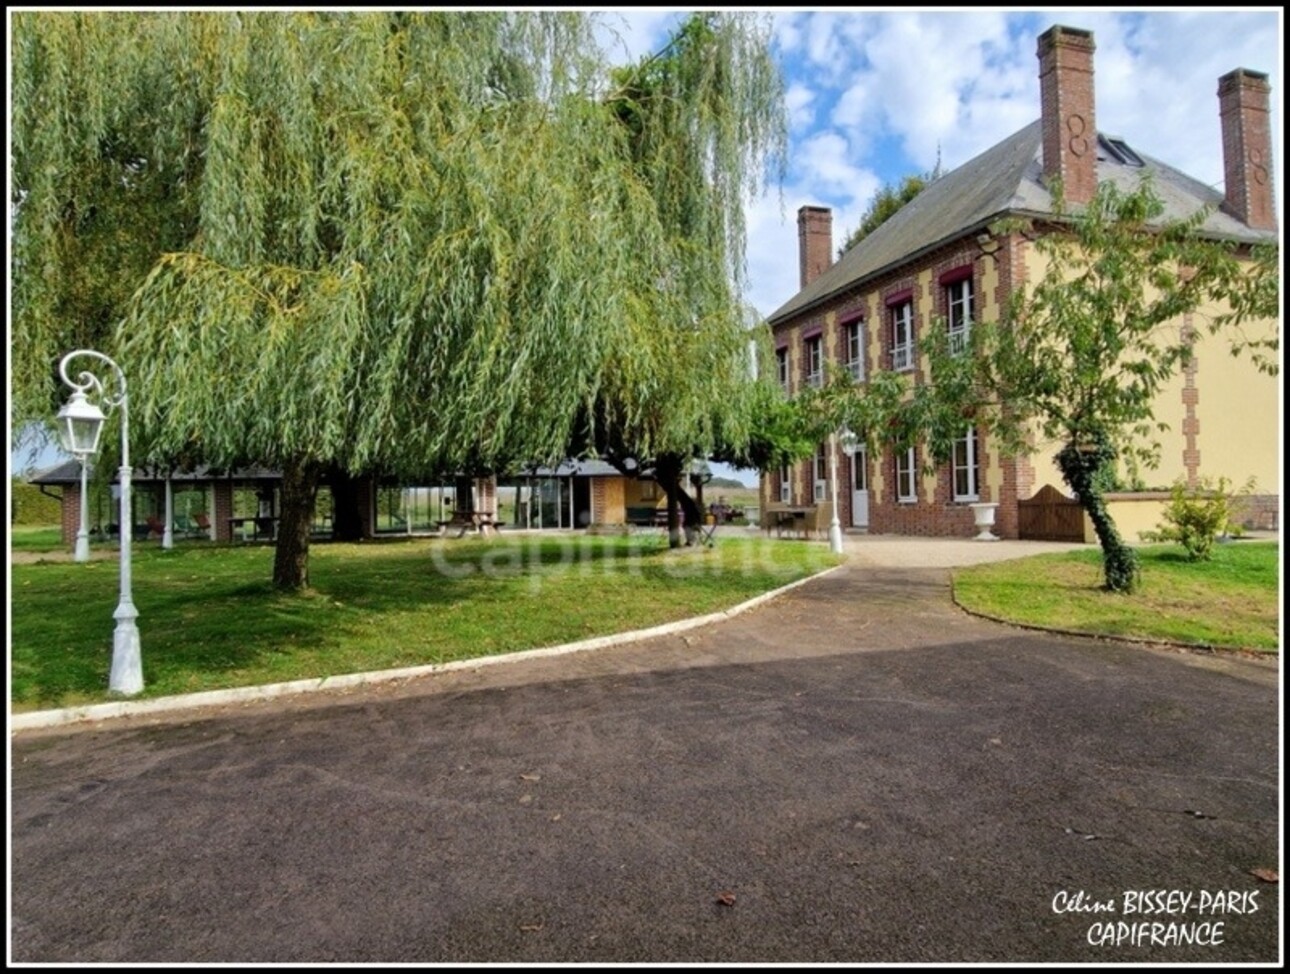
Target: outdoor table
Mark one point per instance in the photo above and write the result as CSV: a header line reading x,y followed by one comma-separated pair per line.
x,y
269,523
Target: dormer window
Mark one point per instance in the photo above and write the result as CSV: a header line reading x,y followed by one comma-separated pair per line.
x,y
1119,150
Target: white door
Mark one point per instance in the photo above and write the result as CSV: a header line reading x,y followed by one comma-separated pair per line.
x,y
860,487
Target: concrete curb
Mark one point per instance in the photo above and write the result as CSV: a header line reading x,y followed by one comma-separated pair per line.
x,y
128,708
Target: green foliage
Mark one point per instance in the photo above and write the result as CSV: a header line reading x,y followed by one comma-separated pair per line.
x,y
1196,516
28,506
402,241
783,431
1082,464
884,204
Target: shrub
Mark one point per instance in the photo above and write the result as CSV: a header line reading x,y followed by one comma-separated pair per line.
x,y
1197,515
30,507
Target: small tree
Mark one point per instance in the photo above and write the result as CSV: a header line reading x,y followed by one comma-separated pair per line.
x,y
1196,516
1081,355
885,204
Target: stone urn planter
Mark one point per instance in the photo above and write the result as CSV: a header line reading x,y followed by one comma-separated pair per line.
x,y
984,515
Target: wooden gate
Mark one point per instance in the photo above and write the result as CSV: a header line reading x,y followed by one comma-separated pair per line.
x,y
1050,516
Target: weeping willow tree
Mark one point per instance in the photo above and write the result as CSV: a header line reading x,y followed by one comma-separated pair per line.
x,y
679,384
388,241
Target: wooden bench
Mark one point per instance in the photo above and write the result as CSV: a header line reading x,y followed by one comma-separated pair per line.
x,y
645,517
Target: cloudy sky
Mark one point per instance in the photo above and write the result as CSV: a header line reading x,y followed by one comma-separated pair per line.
x,y
875,96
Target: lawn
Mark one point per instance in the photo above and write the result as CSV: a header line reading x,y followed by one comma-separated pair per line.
x,y
42,538
209,618
1230,601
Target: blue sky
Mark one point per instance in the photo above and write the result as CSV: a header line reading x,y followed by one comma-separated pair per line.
x,y
876,95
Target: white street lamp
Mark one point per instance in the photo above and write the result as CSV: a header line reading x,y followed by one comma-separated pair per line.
x,y
835,526
82,551
80,425
850,443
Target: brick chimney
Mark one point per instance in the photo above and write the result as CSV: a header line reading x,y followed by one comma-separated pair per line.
x,y
1247,148
814,241
1066,94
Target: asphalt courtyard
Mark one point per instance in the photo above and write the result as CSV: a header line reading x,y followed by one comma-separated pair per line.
x,y
854,772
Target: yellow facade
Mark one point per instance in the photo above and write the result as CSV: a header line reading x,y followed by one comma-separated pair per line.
x,y
1236,413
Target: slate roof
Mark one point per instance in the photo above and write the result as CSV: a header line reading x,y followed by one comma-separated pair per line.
x,y
1005,180
69,472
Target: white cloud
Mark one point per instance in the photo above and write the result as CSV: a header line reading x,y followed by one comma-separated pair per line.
x,y
800,101
628,35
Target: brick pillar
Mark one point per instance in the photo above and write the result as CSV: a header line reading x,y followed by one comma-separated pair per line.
x,y
223,491
814,241
1247,148
1066,96
71,512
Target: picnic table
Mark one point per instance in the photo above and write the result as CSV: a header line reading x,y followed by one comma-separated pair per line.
x,y
480,521
261,527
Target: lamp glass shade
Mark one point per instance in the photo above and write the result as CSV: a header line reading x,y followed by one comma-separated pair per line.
x,y
850,442
80,423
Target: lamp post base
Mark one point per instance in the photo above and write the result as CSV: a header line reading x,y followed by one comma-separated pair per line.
x,y
127,655
82,551
835,538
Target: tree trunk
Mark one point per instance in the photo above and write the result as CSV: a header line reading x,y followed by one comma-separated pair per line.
x,y
667,471
1080,465
346,522
291,559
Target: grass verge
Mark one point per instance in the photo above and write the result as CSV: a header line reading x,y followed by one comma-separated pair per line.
x,y
1228,602
42,538
209,618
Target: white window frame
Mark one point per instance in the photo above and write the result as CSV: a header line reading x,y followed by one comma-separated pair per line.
x,y
906,477
855,349
821,467
781,359
967,461
785,485
902,346
815,360
959,298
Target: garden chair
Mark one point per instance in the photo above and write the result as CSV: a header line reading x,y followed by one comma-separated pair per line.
x,y
819,520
